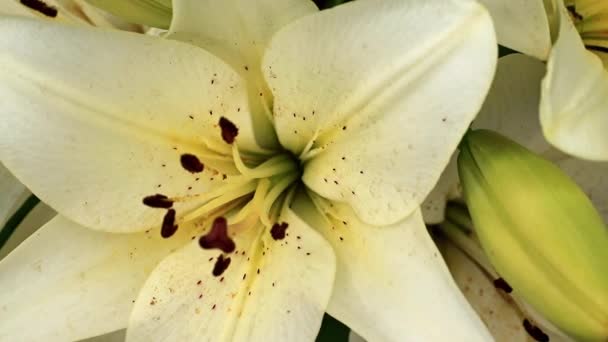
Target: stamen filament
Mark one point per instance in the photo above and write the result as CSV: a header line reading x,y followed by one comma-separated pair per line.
x,y
227,196
229,185
253,205
274,166
274,193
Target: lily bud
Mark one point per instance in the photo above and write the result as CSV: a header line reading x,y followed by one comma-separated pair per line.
x,y
540,231
155,13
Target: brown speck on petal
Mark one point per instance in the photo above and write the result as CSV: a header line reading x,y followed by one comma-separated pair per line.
x,y
218,237
220,266
169,227
229,130
158,201
535,332
503,285
278,230
40,6
191,163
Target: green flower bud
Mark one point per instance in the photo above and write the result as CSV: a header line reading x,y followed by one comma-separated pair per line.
x,y
540,231
155,13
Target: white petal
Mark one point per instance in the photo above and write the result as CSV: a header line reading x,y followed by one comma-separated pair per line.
x,y
574,103
511,107
521,25
92,121
67,282
391,283
271,290
448,187
386,98
238,31
500,314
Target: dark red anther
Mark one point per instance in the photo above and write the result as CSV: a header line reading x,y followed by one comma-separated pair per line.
x,y
218,237
221,264
278,230
191,163
158,201
169,227
229,130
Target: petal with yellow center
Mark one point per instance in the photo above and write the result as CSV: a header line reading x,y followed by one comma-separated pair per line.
x,y
94,121
266,290
378,106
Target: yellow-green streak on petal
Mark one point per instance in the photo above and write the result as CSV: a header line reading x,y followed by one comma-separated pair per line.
x,y
156,13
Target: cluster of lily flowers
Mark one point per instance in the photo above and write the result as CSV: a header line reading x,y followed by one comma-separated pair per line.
x,y
233,170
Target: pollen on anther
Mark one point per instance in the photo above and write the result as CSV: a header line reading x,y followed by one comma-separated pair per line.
x,y
278,230
500,283
158,201
229,130
191,163
535,332
220,266
218,237
168,227
40,6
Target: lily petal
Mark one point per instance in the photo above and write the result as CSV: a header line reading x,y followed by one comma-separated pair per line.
x,y
391,283
574,102
382,102
88,128
500,315
521,25
71,283
238,32
511,106
271,290
433,207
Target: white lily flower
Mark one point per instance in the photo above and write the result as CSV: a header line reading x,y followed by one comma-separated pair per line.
x,y
285,170
572,35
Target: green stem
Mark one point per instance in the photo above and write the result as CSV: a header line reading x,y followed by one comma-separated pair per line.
x,y
459,215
